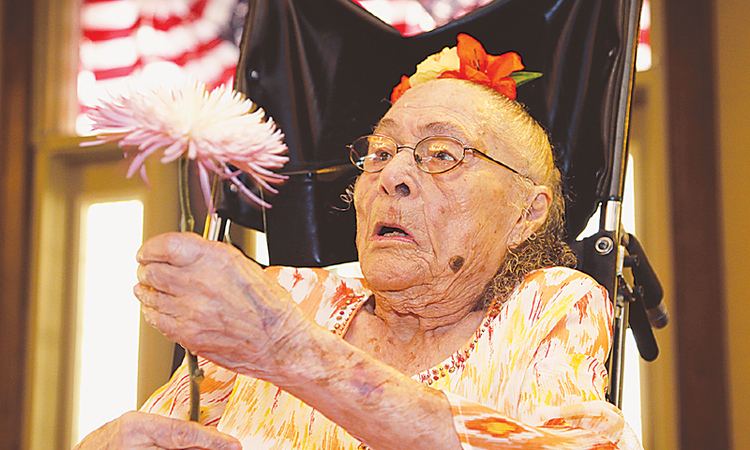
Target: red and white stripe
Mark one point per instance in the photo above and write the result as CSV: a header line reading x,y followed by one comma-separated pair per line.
x,y
126,42
410,18
122,37
406,16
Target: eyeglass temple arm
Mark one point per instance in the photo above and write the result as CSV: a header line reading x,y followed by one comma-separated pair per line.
x,y
484,155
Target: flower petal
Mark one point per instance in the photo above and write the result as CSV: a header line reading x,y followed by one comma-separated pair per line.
x,y
140,159
471,53
501,66
249,194
144,177
400,88
506,86
451,74
205,186
476,76
434,65
174,151
214,128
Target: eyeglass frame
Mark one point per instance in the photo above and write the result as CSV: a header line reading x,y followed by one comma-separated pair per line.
x,y
413,149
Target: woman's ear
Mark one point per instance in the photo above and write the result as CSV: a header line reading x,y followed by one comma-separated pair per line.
x,y
533,217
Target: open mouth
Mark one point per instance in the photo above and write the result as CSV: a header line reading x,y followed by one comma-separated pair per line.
x,y
391,231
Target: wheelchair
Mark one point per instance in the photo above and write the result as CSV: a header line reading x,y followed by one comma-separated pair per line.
x,y
322,70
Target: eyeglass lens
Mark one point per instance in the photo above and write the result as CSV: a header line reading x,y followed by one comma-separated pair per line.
x,y
434,154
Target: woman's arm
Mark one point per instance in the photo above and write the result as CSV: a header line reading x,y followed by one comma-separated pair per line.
x,y
387,409
251,326
371,400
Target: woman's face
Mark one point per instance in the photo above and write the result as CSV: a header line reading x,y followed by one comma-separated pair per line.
x,y
456,223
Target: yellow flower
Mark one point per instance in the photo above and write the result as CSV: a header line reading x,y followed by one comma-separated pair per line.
x,y
434,65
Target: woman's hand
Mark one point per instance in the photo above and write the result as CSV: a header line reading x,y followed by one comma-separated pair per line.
x,y
138,430
217,303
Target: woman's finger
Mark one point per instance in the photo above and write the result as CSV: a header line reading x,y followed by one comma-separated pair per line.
x,y
164,277
166,324
183,434
167,433
177,249
154,298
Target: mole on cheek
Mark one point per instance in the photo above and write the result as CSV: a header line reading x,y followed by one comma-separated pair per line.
x,y
456,263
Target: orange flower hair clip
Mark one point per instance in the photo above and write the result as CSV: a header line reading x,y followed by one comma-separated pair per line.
x,y
469,61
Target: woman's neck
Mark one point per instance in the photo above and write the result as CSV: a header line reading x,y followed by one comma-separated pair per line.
x,y
407,340
408,321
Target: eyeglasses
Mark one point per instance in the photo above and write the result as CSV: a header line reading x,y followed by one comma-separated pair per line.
x,y
433,154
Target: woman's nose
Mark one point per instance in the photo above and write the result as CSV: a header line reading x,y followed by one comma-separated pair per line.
x,y
398,178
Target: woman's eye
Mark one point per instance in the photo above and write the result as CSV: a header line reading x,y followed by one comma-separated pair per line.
x,y
382,155
443,156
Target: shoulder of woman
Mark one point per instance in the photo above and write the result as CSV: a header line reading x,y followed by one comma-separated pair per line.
x,y
560,280
560,304
556,292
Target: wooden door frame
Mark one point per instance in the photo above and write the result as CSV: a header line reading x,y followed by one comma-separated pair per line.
x,y
16,46
702,369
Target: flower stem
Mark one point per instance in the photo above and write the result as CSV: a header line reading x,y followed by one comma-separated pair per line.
x,y
187,221
187,224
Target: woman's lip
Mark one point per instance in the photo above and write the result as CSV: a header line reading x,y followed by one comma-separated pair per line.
x,y
407,237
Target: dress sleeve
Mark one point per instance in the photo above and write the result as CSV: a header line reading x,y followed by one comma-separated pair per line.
x,y
561,401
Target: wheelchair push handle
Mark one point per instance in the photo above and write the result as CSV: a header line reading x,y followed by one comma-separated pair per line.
x,y
646,280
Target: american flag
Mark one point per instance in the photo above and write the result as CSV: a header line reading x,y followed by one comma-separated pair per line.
x,y
141,41
131,42
120,37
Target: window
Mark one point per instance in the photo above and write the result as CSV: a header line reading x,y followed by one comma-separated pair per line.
x,y
106,378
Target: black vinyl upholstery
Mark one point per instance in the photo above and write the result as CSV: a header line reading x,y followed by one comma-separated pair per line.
x,y
324,69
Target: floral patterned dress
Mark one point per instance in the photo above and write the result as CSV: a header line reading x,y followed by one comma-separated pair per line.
x,y
532,376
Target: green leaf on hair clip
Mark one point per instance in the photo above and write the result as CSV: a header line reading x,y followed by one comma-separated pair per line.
x,y
522,78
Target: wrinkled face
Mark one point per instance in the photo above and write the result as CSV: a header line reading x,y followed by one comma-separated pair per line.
x,y
445,231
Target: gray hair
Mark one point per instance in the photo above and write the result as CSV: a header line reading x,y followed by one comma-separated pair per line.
x,y
514,127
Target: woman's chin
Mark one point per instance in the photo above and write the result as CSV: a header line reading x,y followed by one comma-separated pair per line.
x,y
391,274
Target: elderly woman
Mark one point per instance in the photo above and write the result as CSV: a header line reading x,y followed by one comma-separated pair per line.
x,y
465,332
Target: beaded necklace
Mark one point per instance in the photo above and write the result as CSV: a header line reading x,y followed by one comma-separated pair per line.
x,y
343,316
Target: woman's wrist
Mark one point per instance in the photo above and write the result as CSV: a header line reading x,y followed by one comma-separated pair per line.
x,y
288,351
362,394
303,358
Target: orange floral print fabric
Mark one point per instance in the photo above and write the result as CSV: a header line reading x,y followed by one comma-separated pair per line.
x,y
532,376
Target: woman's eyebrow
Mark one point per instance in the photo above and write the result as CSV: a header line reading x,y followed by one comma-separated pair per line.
x,y
385,123
445,129
438,128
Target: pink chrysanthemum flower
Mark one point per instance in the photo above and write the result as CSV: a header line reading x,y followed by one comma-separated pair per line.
x,y
215,129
